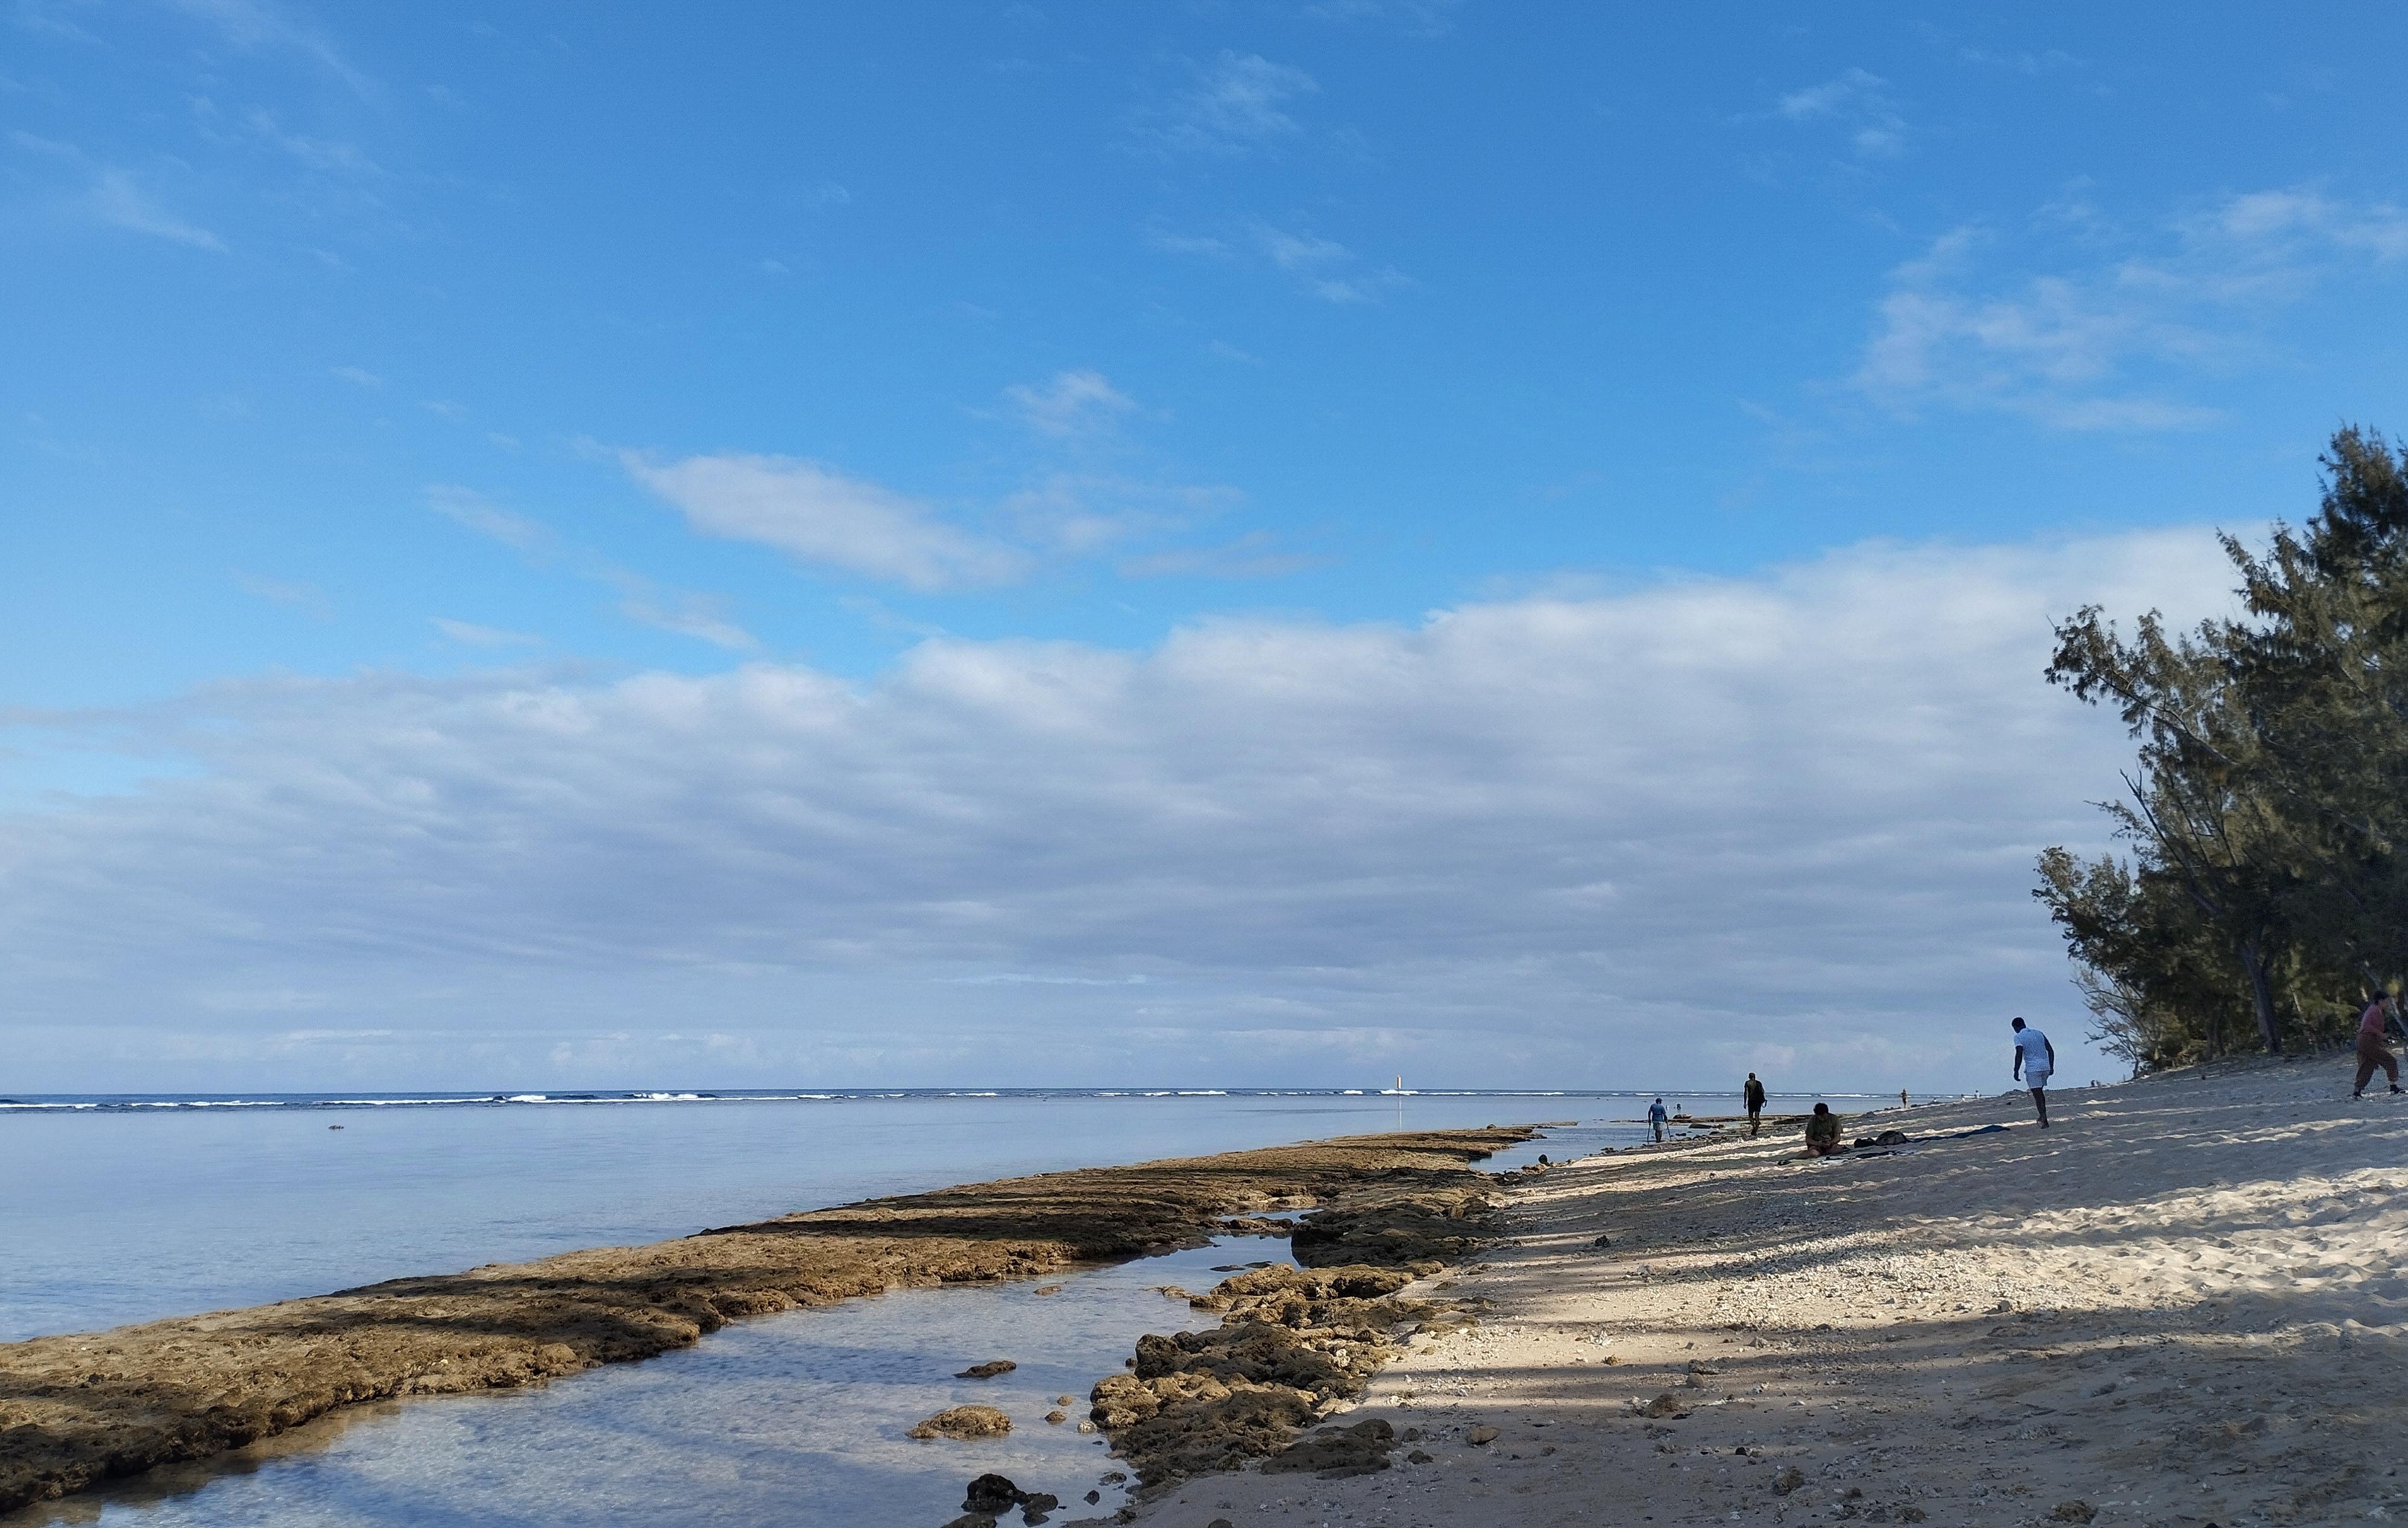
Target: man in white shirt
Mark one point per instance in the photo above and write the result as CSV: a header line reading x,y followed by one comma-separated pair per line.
x,y
2035,1059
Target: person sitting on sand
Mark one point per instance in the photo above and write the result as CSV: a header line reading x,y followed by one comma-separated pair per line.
x,y
2371,1052
1753,1097
1823,1132
2035,1059
1655,1117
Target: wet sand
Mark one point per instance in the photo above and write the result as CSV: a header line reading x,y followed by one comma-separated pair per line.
x,y
2181,1306
79,1410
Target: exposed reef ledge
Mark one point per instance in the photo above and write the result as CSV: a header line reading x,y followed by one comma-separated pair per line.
x,y
76,1411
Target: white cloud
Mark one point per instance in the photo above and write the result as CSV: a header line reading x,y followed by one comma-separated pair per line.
x,y
1072,402
817,515
1636,839
359,376
1238,103
1859,102
2112,344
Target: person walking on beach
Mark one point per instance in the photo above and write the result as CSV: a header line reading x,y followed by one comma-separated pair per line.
x,y
1753,1097
1655,1117
2371,1052
2035,1059
1823,1132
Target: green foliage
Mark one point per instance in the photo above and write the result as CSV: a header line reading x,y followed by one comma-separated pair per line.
x,y
2264,893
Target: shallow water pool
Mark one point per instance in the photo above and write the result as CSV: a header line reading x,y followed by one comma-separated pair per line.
x,y
794,1420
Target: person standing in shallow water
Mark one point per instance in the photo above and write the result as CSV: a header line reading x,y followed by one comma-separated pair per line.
x,y
2035,1059
1655,1117
1753,1097
2371,1052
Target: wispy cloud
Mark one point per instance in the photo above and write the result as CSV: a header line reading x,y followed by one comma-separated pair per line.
x,y
1071,403
254,25
817,515
1327,269
120,200
1237,104
1859,102
469,634
2112,344
1256,555
641,599
358,376
1321,266
307,598
1414,18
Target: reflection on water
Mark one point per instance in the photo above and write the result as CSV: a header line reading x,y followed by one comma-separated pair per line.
x,y
792,1420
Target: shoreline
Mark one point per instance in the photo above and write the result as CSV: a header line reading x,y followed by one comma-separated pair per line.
x,y
81,1408
2181,1305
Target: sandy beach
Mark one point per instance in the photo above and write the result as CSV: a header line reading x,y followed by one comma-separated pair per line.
x,y
2180,1306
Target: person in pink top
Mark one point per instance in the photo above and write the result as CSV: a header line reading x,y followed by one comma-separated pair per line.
x,y
2371,1052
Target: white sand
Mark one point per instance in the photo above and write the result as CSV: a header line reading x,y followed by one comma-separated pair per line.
x,y
2181,1305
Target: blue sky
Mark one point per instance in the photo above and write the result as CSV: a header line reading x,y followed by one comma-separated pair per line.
x,y
534,358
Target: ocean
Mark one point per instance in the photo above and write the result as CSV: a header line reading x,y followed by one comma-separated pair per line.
x,y
128,1208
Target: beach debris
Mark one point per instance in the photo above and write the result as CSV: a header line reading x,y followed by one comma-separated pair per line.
x,y
963,1422
1666,1405
2076,1510
1790,1479
1482,1434
987,1370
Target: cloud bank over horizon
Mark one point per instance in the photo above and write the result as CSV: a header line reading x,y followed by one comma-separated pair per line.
x,y
1784,822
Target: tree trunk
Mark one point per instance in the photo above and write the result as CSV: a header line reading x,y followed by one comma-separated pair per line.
x,y
2261,997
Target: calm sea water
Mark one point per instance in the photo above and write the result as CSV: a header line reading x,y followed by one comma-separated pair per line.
x,y
129,1208
121,1209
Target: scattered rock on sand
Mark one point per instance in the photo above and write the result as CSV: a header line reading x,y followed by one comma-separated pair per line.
x,y
1483,1434
988,1370
963,1422
1666,1405
972,1520
1789,1480
1057,1416
2073,1511
991,1493
1065,1400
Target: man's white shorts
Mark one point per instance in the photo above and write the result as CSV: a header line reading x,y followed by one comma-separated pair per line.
x,y
2035,1077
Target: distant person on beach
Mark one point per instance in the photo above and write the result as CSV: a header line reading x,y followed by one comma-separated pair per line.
x,y
1823,1132
2035,1059
1655,1117
1753,1097
2371,1052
